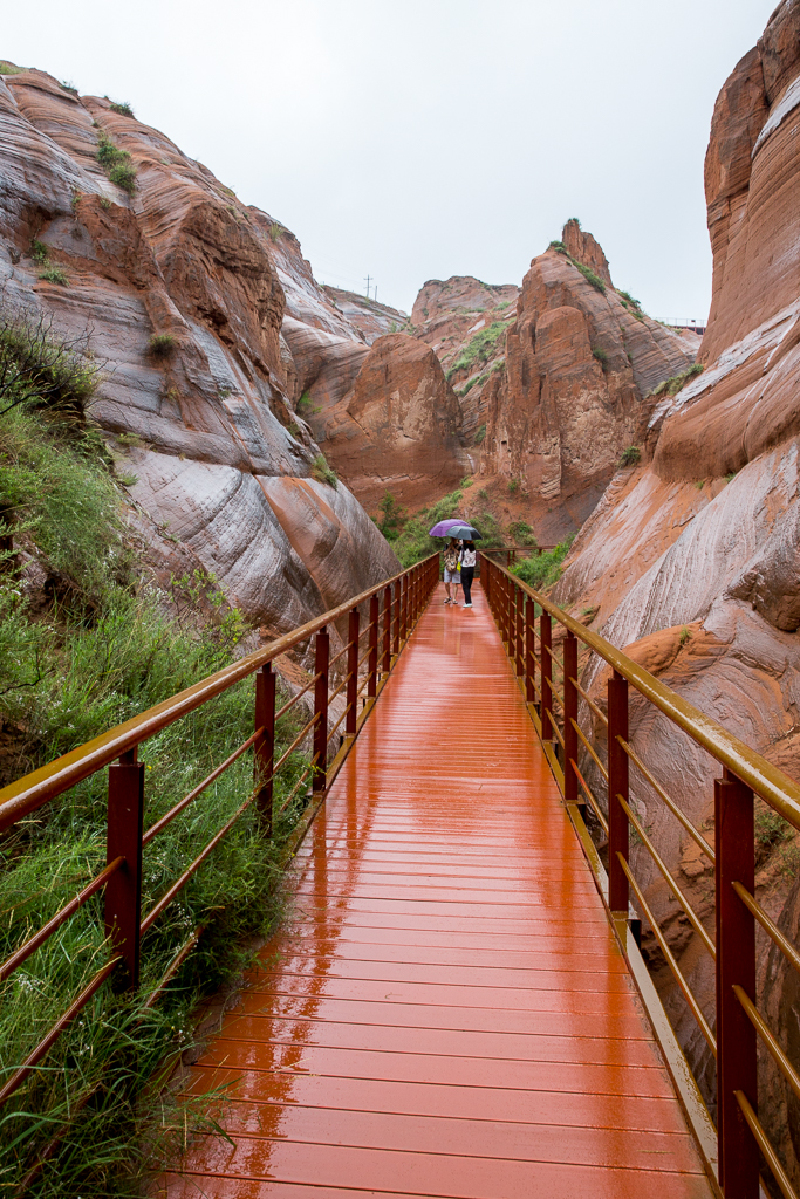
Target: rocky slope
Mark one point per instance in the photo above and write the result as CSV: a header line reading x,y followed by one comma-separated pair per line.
x,y
205,413
692,559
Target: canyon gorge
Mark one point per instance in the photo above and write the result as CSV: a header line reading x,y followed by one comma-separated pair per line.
x,y
258,419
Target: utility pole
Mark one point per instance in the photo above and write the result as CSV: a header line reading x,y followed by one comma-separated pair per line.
x,y
368,283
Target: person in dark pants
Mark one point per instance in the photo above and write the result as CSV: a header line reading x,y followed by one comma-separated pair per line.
x,y
468,559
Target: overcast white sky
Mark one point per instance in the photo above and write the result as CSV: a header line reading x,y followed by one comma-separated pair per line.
x,y
424,138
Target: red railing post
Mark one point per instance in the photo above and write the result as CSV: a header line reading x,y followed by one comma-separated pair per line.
x,y
398,591
352,673
530,651
737,1064
520,597
322,652
372,661
386,665
546,668
570,715
617,785
264,748
123,899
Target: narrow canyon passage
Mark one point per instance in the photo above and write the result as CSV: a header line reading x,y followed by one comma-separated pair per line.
x,y
445,1011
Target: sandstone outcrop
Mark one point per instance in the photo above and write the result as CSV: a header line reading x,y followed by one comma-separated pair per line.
x,y
208,422
692,560
397,428
580,358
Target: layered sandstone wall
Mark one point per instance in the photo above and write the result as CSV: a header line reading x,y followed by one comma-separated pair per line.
x,y
692,560
223,461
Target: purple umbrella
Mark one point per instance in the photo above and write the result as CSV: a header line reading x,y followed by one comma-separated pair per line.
x,y
444,526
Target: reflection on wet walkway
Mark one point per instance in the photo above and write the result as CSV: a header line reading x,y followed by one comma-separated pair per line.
x,y
445,1012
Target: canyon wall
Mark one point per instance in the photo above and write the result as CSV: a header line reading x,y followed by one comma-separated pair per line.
x,y
205,417
692,559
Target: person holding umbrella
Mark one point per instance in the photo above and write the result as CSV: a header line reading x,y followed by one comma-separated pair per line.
x,y
451,556
468,559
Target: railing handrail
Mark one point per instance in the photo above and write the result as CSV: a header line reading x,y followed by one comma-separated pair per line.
x,y
30,792
781,792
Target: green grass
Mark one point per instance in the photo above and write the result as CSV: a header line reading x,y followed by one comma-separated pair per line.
x,y
8,68
413,543
39,252
89,650
124,110
55,274
601,356
480,435
559,247
673,385
322,472
480,347
631,456
116,163
521,533
590,277
542,570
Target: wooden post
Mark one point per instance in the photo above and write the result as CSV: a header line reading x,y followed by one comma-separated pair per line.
x,y
530,651
372,661
264,749
570,714
387,630
546,668
618,831
737,1063
123,898
322,653
352,673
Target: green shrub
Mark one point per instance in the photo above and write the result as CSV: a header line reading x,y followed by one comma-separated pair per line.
x,y
322,472
392,517
559,247
631,456
480,435
275,231
521,533
601,356
116,163
306,407
68,87
542,570
480,347
590,277
675,384
574,221
8,68
55,274
124,110
162,345
414,542
39,251
627,299
39,369
513,486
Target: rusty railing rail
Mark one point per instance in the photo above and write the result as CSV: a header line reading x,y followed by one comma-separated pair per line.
x,y
735,1151
399,599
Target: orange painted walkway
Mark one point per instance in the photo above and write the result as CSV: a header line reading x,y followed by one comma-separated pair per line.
x,y
446,1012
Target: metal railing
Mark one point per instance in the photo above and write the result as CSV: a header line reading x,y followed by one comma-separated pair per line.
x,y
555,696
393,608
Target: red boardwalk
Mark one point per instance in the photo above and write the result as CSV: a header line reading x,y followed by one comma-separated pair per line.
x,y
446,1012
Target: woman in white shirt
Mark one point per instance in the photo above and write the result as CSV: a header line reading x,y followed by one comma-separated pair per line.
x,y
468,558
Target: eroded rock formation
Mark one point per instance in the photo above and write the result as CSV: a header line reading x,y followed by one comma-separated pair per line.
x,y
692,560
223,461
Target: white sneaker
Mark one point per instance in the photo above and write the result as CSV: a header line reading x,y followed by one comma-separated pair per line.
x,y
467,605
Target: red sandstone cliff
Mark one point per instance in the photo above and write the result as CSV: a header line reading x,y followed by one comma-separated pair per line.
x,y
223,462
705,537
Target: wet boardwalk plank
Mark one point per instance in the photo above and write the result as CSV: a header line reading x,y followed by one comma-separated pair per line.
x,y
445,1012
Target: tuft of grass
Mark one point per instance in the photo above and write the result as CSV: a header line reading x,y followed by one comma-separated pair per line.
x,y
513,486
68,86
631,456
322,472
116,163
306,406
627,299
559,247
601,356
55,274
124,110
673,385
542,570
731,475
8,68
39,251
480,347
480,435
162,345
275,231
686,635
590,277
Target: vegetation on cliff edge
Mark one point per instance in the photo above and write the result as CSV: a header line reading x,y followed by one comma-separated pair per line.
x,y
85,643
